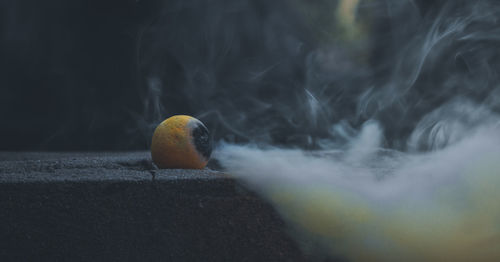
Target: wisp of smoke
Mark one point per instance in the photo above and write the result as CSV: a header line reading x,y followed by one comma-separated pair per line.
x,y
365,203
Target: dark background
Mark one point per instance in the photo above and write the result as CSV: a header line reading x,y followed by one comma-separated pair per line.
x,y
69,73
100,75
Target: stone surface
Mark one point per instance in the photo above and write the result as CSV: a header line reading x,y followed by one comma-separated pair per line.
x,y
119,207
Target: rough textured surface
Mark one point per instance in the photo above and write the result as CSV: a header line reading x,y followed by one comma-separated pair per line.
x,y
118,207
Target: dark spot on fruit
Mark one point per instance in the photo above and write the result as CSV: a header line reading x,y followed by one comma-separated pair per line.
x,y
202,141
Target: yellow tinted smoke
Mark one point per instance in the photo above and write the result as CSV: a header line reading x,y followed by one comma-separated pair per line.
x,y
459,223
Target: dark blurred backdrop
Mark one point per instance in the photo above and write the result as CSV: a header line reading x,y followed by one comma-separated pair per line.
x,y
74,75
99,75
69,73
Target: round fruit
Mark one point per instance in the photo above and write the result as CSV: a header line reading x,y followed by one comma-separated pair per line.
x,y
181,142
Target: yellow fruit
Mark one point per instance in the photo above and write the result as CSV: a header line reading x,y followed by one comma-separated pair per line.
x,y
181,142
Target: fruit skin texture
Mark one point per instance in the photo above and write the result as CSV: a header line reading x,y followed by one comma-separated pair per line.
x,y
173,144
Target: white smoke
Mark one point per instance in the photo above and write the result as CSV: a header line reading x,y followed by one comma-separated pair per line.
x,y
376,193
366,203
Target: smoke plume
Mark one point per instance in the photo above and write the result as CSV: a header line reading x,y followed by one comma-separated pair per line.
x,y
391,156
371,125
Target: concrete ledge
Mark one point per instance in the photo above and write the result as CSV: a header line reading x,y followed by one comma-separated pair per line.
x,y
117,207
